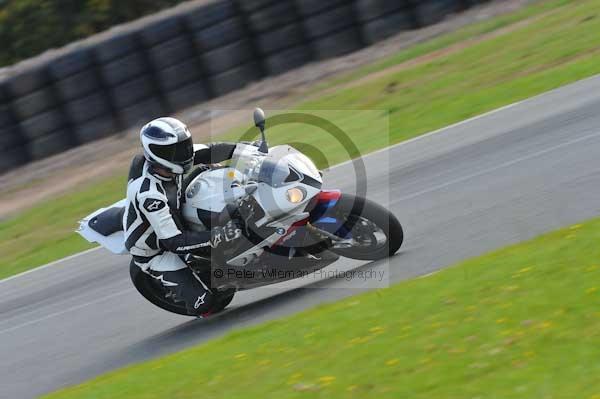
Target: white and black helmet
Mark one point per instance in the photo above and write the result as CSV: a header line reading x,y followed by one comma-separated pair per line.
x,y
168,143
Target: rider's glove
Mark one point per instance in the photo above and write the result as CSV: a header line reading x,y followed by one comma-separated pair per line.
x,y
231,231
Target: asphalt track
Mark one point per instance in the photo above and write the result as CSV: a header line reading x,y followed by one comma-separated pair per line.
x,y
484,183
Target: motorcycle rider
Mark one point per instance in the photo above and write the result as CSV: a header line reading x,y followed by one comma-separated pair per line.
x,y
154,234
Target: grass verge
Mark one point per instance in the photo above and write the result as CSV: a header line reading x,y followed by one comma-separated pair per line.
x,y
521,322
554,44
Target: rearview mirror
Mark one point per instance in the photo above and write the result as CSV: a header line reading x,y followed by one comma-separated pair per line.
x,y
259,122
259,118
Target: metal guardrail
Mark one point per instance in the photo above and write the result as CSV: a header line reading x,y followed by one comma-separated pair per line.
x,y
179,58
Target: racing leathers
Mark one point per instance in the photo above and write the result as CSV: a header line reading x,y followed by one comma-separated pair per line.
x,y
156,238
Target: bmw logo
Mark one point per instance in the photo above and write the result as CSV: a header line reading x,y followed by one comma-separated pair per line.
x,y
280,231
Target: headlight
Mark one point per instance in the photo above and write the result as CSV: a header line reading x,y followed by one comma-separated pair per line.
x,y
296,195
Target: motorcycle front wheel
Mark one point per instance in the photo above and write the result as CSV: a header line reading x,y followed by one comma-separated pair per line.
x,y
371,231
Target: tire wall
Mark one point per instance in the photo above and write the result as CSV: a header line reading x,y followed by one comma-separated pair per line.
x,y
175,59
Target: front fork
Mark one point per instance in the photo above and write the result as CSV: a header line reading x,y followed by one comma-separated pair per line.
x,y
323,222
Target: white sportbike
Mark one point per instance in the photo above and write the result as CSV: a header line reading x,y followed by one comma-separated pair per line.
x,y
291,226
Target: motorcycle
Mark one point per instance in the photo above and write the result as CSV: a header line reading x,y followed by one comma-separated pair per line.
x,y
291,226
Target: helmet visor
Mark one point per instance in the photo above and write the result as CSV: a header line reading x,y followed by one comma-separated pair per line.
x,y
179,153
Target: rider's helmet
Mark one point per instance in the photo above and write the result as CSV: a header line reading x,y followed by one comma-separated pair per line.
x,y
167,143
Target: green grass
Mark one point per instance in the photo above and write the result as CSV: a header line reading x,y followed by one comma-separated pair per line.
x,y
559,46
46,232
521,322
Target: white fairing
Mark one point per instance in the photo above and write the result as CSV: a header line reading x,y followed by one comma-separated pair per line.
x,y
212,191
266,177
115,243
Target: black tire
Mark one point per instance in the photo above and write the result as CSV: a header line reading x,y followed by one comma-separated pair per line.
x,y
367,10
210,14
26,81
187,96
50,144
328,22
132,92
387,26
338,44
311,7
271,17
86,108
429,12
161,30
281,38
381,217
155,294
234,79
228,57
287,60
219,35
71,63
77,85
96,128
13,157
251,5
178,75
142,112
6,116
124,68
116,47
171,52
10,137
43,124
33,103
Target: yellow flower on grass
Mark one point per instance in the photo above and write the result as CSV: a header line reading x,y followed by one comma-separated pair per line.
x,y
241,356
591,290
358,340
392,362
326,380
546,324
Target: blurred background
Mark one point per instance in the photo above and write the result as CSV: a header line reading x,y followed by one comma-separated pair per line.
x,y
164,63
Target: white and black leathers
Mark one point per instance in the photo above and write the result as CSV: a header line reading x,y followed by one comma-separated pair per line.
x,y
151,219
154,234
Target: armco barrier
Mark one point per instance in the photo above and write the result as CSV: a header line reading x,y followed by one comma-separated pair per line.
x,y
183,56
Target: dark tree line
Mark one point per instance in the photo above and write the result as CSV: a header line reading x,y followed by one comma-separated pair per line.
x,y
29,27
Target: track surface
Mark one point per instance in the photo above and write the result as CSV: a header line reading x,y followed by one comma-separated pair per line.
x,y
476,186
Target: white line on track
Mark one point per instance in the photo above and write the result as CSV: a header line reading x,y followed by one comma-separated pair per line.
x,y
51,315
87,251
500,166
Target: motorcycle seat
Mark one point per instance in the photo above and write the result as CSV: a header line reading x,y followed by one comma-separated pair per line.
x,y
108,222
